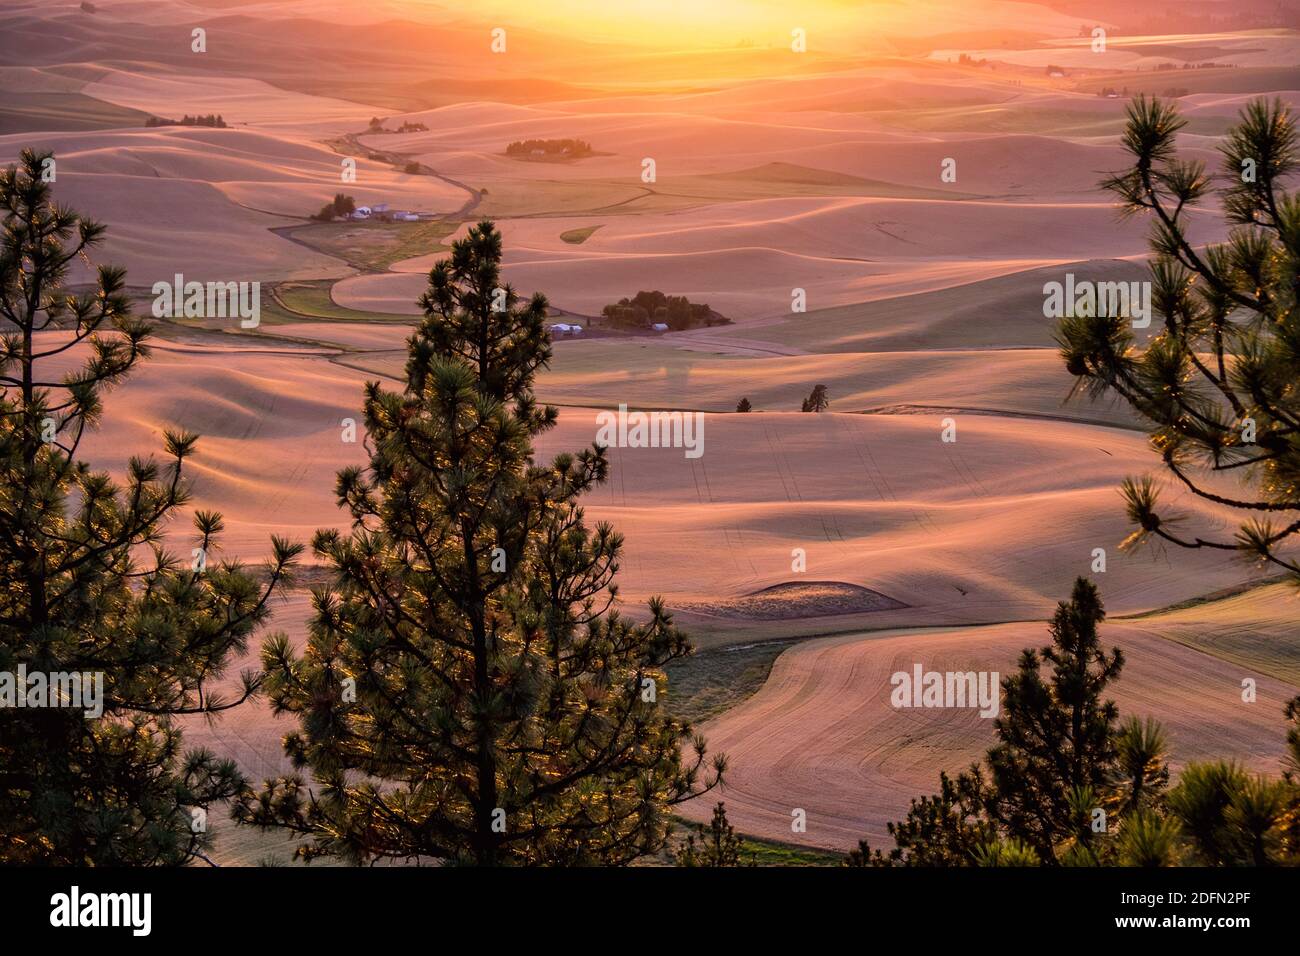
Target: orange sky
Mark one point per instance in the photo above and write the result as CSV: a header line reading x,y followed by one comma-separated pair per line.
x,y
682,24
691,22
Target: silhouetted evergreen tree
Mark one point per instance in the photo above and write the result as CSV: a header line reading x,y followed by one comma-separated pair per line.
x,y
76,597
817,401
715,844
1059,760
469,692
948,829
1055,734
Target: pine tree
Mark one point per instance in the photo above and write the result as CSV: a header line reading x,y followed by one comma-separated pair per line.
x,y
947,829
1217,387
469,691
817,400
152,636
1148,839
1203,794
1059,759
715,844
744,406
1055,735
1012,852
1141,772
1232,818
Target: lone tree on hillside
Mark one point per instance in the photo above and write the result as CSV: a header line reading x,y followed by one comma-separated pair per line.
x,y
75,598
1217,386
468,691
817,401
744,406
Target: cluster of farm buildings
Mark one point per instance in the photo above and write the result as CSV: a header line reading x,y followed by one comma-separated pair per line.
x,y
383,213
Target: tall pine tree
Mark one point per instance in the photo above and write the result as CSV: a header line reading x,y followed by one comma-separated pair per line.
x,y
1060,757
469,691
1057,737
76,598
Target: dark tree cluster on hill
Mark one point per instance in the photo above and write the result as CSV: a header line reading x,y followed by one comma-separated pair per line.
x,y
566,148
86,586
377,126
646,309
1207,65
213,120
339,207
744,406
817,401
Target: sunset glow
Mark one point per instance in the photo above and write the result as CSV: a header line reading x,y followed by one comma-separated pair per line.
x,y
860,434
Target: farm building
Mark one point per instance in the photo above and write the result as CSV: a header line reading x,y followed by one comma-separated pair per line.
x,y
381,212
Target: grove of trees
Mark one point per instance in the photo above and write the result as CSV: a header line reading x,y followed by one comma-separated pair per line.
x,y
551,148
341,206
646,309
213,120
